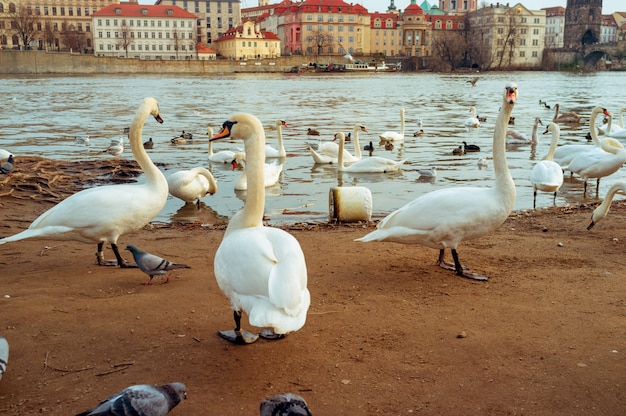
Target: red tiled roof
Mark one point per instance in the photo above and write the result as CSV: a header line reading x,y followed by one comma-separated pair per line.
x,y
202,48
137,10
413,9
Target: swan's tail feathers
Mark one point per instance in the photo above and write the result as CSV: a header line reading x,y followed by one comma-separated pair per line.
x,y
373,236
36,233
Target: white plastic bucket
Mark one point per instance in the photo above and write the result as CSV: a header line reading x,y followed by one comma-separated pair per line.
x,y
350,203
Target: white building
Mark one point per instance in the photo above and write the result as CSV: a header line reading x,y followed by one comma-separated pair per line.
x,y
608,30
143,31
555,26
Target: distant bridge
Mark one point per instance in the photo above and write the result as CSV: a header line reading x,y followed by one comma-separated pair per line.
x,y
593,53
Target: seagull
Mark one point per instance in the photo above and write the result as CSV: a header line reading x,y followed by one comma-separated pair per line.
x,y
8,166
286,404
428,173
116,147
141,400
4,355
153,265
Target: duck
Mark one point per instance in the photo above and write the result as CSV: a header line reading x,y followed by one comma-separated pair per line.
x,y
472,121
374,164
327,151
511,121
443,218
470,148
544,104
602,210
428,173
148,144
272,172
179,140
192,185
116,147
458,150
599,162
394,136
271,152
388,146
223,156
261,270
482,119
104,213
312,132
547,175
566,153
418,133
567,117
369,148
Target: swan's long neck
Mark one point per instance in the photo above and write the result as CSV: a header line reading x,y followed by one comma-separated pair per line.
x,y
251,215
207,174
504,181
592,126
556,112
402,122
621,117
603,209
357,146
153,175
279,131
209,133
341,139
534,138
553,143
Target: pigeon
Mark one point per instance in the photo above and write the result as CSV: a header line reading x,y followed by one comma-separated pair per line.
x,y
286,404
4,355
8,166
153,265
141,400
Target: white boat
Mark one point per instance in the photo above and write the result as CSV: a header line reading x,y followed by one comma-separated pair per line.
x,y
375,67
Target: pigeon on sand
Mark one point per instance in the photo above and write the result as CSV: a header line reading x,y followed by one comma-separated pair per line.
x,y
286,404
141,400
8,166
153,265
4,355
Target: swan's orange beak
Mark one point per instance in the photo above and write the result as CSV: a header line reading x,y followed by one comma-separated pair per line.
x,y
225,131
511,95
363,129
284,123
233,164
606,112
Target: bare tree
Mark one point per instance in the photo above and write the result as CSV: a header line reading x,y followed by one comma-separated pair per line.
x,y
320,41
477,45
177,41
507,38
48,35
449,47
24,23
125,37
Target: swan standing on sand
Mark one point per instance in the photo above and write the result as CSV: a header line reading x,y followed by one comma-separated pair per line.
x,y
393,136
281,152
271,172
442,219
102,214
327,152
192,185
603,209
472,121
564,154
260,269
374,164
223,156
547,175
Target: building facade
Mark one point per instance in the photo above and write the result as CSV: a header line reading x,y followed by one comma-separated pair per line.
x,y
385,34
248,41
608,30
144,32
555,24
457,7
214,17
583,22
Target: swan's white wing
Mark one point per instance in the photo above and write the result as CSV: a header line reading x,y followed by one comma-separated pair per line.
x,y
546,175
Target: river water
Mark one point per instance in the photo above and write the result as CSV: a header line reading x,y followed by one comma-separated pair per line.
x,y
42,115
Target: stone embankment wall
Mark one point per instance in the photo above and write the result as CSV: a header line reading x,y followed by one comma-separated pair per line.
x,y
41,62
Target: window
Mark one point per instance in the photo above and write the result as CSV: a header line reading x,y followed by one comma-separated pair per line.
x,y
522,54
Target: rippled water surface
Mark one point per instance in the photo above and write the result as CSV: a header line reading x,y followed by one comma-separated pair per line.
x,y
42,116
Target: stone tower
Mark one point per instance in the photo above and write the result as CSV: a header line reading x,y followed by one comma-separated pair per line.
x,y
583,21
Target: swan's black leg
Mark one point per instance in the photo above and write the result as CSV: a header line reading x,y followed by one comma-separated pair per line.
x,y
585,189
535,199
238,335
597,187
444,264
554,199
463,273
120,261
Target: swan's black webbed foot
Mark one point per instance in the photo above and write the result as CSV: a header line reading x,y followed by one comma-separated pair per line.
x,y
270,335
240,337
464,271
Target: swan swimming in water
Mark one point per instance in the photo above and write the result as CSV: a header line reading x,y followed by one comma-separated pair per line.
x,y
104,213
271,172
280,152
472,121
373,164
443,218
262,270
394,136
547,175
603,209
192,185
327,152
567,117
223,156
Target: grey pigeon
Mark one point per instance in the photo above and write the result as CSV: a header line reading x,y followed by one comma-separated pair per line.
x,y
4,355
153,265
8,166
286,404
141,400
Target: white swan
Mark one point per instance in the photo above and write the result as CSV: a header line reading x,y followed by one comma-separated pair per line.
x,y
192,185
271,172
514,137
617,131
393,136
472,121
280,152
564,154
260,269
373,164
603,209
443,218
223,156
102,214
600,162
327,153
4,154
547,175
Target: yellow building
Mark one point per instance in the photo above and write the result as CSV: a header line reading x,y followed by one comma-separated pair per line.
x,y
247,41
